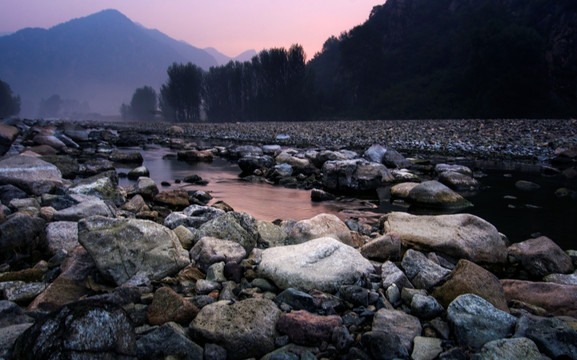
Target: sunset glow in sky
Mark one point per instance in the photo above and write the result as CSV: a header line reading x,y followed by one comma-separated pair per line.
x,y
230,26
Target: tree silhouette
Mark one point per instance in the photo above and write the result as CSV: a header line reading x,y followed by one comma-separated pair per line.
x,y
180,97
9,104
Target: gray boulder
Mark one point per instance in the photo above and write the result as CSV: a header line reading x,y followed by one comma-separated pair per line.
x,y
103,186
393,322
458,181
234,226
321,225
324,264
391,274
30,174
554,337
520,348
61,235
441,168
248,164
21,233
145,187
383,248
209,250
475,321
540,257
270,235
425,307
87,206
8,336
123,249
193,216
433,194
245,329
458,236
168,340
423,272
354,175
137,172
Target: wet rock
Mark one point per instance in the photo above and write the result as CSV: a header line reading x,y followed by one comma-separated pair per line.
x,y
245,328
68,166
304,328
423,273
458,181
322,225
553,336
48,139
103,186
10,192
475,321
145,186
441,168
391,274
433,194
396,324
249,164
425,307
210,250
469,278
515,348
457,236
20,232
175,199
296,300
168,306
123,249
402,190
270,235
322,264
95,166
86,206
81,328
168,340
558,299
354,175
61,235
233,226
527,186
195,155
565,279
30,174
383,248
319,195
298,164
7,136
540,257
137,172
192,216
126,157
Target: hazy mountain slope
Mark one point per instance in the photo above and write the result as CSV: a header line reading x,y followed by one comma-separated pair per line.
x,y
101,58
223,59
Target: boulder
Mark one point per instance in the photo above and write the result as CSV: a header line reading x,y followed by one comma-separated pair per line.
x,y
475,321
240,151
456,236
20,233
397,324
61,235
123,249
526,186
168,306
565,279
176,199
375,153
557,299
192,216
137,172
210,250
462,169
322,225
554,337
423,272
30,174
8,336
248,164
354,175
425,307
515,348
402,190
304,328
95,166
297,300
383,248
10,192
86,206
103,186
433,194
49,140
324,264
270,235
245,328
168,341
234,226
469,278
126,157
540,257
67,165
135,205
145,186
458,181
426,348
391,274
393,159
298,164
195,155
12,314
85,327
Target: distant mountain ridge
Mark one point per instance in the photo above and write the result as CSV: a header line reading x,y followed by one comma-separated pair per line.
x,y
101,58
223,59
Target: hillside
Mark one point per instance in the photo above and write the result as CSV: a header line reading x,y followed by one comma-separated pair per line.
x,y
453,59
99,59
223,59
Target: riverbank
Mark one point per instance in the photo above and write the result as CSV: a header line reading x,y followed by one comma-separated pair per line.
x,y
91,268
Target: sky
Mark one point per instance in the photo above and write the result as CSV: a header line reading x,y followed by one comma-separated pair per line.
x,y
230,26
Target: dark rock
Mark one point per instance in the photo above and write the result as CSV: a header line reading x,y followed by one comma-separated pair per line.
x,y
7,136
398,326
248,164
425,307
126,157
168,306
20,233
383,248
67,165
233,226
558,299
527,186
95,166
540,257
319,195
393,159
553,336
195,155
168,340
103,186
12,314
296,299
433,194
137,172
422,272
304,328
175,199
10,192
384,346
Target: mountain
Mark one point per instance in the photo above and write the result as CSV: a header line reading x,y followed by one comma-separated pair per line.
x,y
99,59
453,59
223,59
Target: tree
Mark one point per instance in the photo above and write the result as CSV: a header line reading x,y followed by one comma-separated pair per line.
x,y
9,104
50,107
180,97
142,106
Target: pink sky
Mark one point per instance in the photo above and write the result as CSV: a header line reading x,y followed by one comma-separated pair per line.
x,y
231,26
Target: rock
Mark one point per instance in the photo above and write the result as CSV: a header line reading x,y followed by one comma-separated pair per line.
x,y
85,327
9,335
145,186
61,235
516,348
433,194
21,292
123,249
270,235
402,190
318,195
137,172
565,279
383,248
441,168
67,165
126,157
7,136
475,321
425,307
304,328
375,153
422,272
12,314
469,278
298,164
297,300
10,192
233,226
175,199
357,295
458,236
553,337
195,155
558,299
103,186
527,186
49,140
87,206
383,346
324,264
185,237
458,181
240,151
354,175
248,164
168,340
192,216
391,274
168,306
20,233
210,250
135,205
95,166
30,174
393,159
426,348
245,328
540,257
394,323
322,225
